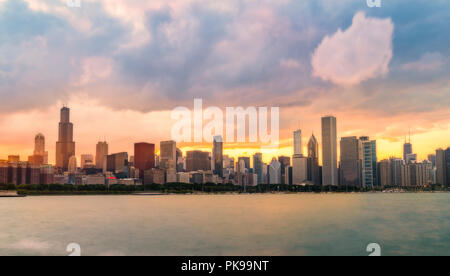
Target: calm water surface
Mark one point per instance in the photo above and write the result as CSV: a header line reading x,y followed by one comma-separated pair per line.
x,y
302,224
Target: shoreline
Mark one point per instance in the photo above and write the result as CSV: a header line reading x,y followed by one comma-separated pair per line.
x,y
156,193
10,194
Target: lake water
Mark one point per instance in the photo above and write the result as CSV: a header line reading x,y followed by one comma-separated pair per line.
x,y
297,224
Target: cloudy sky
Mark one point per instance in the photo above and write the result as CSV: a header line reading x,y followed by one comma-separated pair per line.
x,y
122,66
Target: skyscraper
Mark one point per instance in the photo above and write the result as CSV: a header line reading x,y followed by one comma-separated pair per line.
x,y
218,155
398,172
181,161
168,152
285,162
407,149
36,160
440,167
313,147
384,173
299,169
275,172
447,167
4,169
65,147
39,144
246,161
197,161
144,157
101,155
39,147
432,159
329,151
240,168
86,160
258,167
410,158
416,174
298,142
351,162
369,164
117,163
313,161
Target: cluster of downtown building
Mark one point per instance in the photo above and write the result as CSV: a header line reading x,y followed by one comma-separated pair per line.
x,y
358,165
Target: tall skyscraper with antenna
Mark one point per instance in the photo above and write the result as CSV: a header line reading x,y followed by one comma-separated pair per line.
x,y
407,147
65,147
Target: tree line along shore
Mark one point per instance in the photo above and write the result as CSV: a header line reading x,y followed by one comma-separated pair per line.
x,y
183,188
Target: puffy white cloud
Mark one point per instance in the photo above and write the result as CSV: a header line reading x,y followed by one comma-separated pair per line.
x,y
361,52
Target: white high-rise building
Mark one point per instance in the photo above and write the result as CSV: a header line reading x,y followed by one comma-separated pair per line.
x,y
298,142
329,151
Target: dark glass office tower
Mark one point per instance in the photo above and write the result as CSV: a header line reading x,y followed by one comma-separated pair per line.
x,y
218,155
351,162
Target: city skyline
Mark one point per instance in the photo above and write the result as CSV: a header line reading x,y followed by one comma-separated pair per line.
x,y
234,150
358,165
66,128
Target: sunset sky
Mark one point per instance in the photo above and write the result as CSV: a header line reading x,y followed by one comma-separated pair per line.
x,y
122,66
